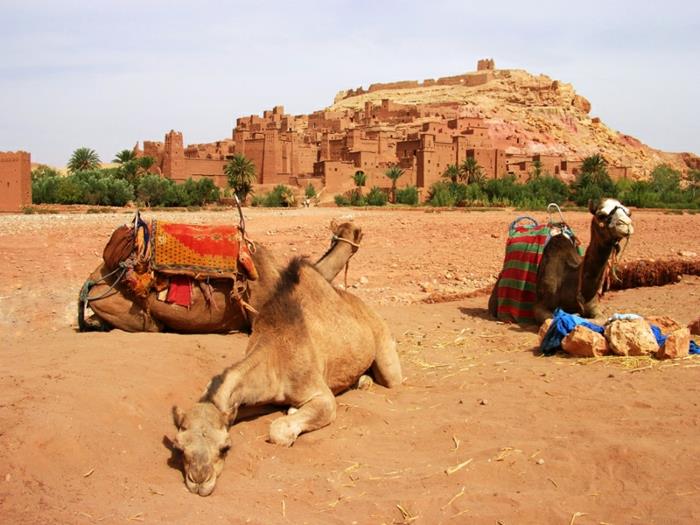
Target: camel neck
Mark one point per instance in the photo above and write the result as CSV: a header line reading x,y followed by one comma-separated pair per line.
x,y
334,260
593,268
242,384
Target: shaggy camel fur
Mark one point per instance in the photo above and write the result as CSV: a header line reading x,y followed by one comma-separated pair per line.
x,y
119,308
310,342
568,281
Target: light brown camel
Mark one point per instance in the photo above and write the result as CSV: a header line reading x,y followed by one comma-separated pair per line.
x,y
310,342
120,308
568,281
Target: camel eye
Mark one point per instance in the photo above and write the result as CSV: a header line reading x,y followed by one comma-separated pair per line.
x,y
224,449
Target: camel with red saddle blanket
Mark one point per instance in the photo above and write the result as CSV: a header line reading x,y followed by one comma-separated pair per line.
x,y
190,279
538,277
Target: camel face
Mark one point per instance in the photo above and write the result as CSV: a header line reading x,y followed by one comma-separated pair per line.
x,y
612,218
347,231
203,439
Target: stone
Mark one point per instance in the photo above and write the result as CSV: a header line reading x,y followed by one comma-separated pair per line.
x,y
694,327
543,329
631,337
584,342
664,322
676,345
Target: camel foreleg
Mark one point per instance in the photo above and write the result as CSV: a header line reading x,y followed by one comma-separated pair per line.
x,y
316,413
386,367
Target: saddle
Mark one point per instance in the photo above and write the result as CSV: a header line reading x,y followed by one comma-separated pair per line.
x,y
164,256
516,285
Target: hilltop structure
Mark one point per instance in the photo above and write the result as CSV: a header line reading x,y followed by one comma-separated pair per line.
x,y
509,121
15,180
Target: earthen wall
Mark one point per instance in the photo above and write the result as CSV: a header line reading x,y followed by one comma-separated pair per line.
x,y
15,181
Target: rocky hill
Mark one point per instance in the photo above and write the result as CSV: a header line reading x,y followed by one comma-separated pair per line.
x,y
528,114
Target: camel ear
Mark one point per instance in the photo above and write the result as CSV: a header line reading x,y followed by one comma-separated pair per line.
x,y
334,225
593,205
178,417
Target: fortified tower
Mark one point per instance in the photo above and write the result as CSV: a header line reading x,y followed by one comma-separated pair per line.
x,y
15,180
174,156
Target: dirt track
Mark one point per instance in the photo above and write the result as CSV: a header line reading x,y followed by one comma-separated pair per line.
x,y
525,439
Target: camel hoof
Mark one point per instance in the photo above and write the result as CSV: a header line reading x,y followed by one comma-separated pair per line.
x,y
364,383
282,432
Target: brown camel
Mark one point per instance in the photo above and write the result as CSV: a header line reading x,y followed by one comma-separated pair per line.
x,y
568,281
310,342
117,307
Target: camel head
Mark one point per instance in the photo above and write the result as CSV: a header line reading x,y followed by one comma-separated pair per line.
x,y
612,221
346,231
202,437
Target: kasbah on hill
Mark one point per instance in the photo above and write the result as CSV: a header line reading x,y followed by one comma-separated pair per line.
x,y
507,120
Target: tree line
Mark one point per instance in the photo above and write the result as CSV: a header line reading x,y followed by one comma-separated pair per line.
x,y
464,185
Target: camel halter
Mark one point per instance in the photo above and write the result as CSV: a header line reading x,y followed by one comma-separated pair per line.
x,y
347,264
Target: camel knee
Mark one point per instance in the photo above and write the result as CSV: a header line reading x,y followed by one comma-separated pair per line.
x,y
387,367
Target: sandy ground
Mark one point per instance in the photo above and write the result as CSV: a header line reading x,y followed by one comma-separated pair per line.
x,y
484,430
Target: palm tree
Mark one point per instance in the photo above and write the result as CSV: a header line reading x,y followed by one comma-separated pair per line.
x,y
393,173
597,169
124,156
471,171
360,179
537,170
83,159
452,172
241,175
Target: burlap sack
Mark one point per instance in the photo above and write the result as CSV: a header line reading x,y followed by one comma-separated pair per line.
x,y
119,247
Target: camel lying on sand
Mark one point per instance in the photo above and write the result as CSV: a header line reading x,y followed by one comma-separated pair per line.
x,y
115,306
309,342
568,281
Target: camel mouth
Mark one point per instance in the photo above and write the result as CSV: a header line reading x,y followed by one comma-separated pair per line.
x,y
203,489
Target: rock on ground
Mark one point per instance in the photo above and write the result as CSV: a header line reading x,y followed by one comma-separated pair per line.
x,y
677,345
584,342
631,337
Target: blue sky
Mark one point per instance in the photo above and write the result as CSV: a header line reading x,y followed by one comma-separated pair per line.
x,y
105,74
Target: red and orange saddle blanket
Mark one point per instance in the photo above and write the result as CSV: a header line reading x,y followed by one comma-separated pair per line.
x,y
517,282
167,257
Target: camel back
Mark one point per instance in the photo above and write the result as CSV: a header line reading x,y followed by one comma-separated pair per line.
x,y
517,283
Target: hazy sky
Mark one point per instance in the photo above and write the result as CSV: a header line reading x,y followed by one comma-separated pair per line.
x,y
106,74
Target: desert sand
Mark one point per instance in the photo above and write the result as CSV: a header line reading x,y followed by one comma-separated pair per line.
x,y
484,429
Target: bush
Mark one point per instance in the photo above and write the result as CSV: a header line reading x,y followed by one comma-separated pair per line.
x,y
310,191
407,195
341,200
281,196
357,199
376,197
152,190
547,189
440,194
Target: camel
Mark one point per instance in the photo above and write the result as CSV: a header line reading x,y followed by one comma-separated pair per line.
x,y
116,307
568,281
310,342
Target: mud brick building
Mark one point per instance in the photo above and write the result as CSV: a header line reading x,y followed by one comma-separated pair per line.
x,y
15,181
325,148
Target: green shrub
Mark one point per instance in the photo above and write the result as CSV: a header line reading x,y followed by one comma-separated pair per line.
x,y
357,199
310,191
153,189
376,197
341,200
441,195
281,196
407,195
